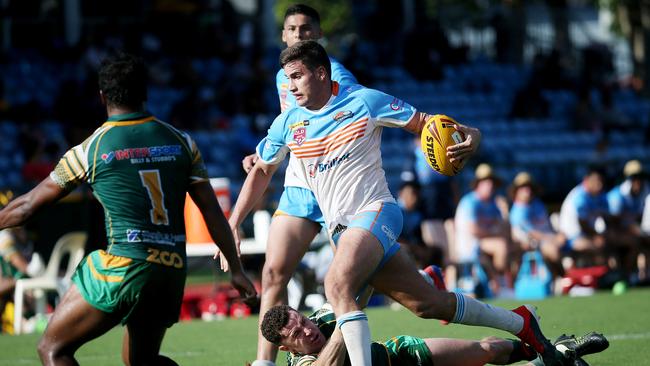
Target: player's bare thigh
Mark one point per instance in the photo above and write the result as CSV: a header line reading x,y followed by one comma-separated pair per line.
x,y
400,280
358,252
289,239
74,323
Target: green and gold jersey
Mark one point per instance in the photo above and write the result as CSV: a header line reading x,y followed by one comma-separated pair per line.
x,y
399,350
139,169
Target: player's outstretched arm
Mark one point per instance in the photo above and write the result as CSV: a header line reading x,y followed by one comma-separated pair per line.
x,y
203,195
334,352
18,211
249,161
252,190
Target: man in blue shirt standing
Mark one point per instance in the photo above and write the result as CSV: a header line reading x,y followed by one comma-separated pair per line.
x,y
626,204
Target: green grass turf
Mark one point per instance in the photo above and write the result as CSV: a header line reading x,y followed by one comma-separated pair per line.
x,y
625,320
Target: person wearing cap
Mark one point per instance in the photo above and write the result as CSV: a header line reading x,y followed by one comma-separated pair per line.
x,y
582,217
626,205
530,224
627,200
482,228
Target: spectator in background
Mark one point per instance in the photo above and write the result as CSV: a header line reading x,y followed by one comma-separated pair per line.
x,y
439,195
627,200
531,227
15,250
626,205
408,199
582,217
482,228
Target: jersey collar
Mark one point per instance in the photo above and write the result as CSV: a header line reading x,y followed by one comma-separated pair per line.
x,y
335,93
129,119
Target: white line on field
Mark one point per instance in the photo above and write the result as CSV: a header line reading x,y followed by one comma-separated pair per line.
x,y
620,337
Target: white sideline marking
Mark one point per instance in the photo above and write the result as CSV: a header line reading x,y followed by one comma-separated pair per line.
x,y
622,337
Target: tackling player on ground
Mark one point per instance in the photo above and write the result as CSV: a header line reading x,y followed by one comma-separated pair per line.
x,y
336,133
315,340
139,169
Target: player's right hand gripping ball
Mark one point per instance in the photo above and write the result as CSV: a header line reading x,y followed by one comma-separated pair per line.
x,y
439,133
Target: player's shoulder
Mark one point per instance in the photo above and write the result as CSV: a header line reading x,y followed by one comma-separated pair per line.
x,y
280,75
323,314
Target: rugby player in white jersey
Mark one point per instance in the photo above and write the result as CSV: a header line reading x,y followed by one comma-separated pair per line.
x,y
298,219
335,134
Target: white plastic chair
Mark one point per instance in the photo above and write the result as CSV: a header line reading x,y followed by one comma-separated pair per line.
x,y
72,243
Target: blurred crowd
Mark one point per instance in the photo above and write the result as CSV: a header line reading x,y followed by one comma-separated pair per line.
x,y
496,226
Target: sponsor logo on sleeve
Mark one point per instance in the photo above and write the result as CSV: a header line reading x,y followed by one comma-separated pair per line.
x,y
396,104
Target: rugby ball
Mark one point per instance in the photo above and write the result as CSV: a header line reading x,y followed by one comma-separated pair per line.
x,y
439,133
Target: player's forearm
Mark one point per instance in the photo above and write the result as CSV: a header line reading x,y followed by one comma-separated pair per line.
x,y
334,352
222,235
256,182
417,122
18,211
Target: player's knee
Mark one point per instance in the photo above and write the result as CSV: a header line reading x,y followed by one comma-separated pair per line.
x,y
273,276
425,310
492,346
336,288
46,349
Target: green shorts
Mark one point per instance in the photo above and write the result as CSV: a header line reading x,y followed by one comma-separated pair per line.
x,y
138,291
403,350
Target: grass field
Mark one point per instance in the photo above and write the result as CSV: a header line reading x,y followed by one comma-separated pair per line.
x,y
625,320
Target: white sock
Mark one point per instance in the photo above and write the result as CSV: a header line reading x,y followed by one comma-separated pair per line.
x,y
263,363
470,311
356,335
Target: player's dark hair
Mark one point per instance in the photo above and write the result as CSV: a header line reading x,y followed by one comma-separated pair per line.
x,y
274,320
310,53
123,80
304,10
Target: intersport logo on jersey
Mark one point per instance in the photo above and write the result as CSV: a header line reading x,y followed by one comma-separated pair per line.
x,y
326,165
142,152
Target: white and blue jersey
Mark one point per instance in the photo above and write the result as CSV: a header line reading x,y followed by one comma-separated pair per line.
x,y
339,74
297,200
471,210
625,205
528,217
580,205
338,150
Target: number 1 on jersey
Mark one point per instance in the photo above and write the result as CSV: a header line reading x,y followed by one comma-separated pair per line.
x,y
151,181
